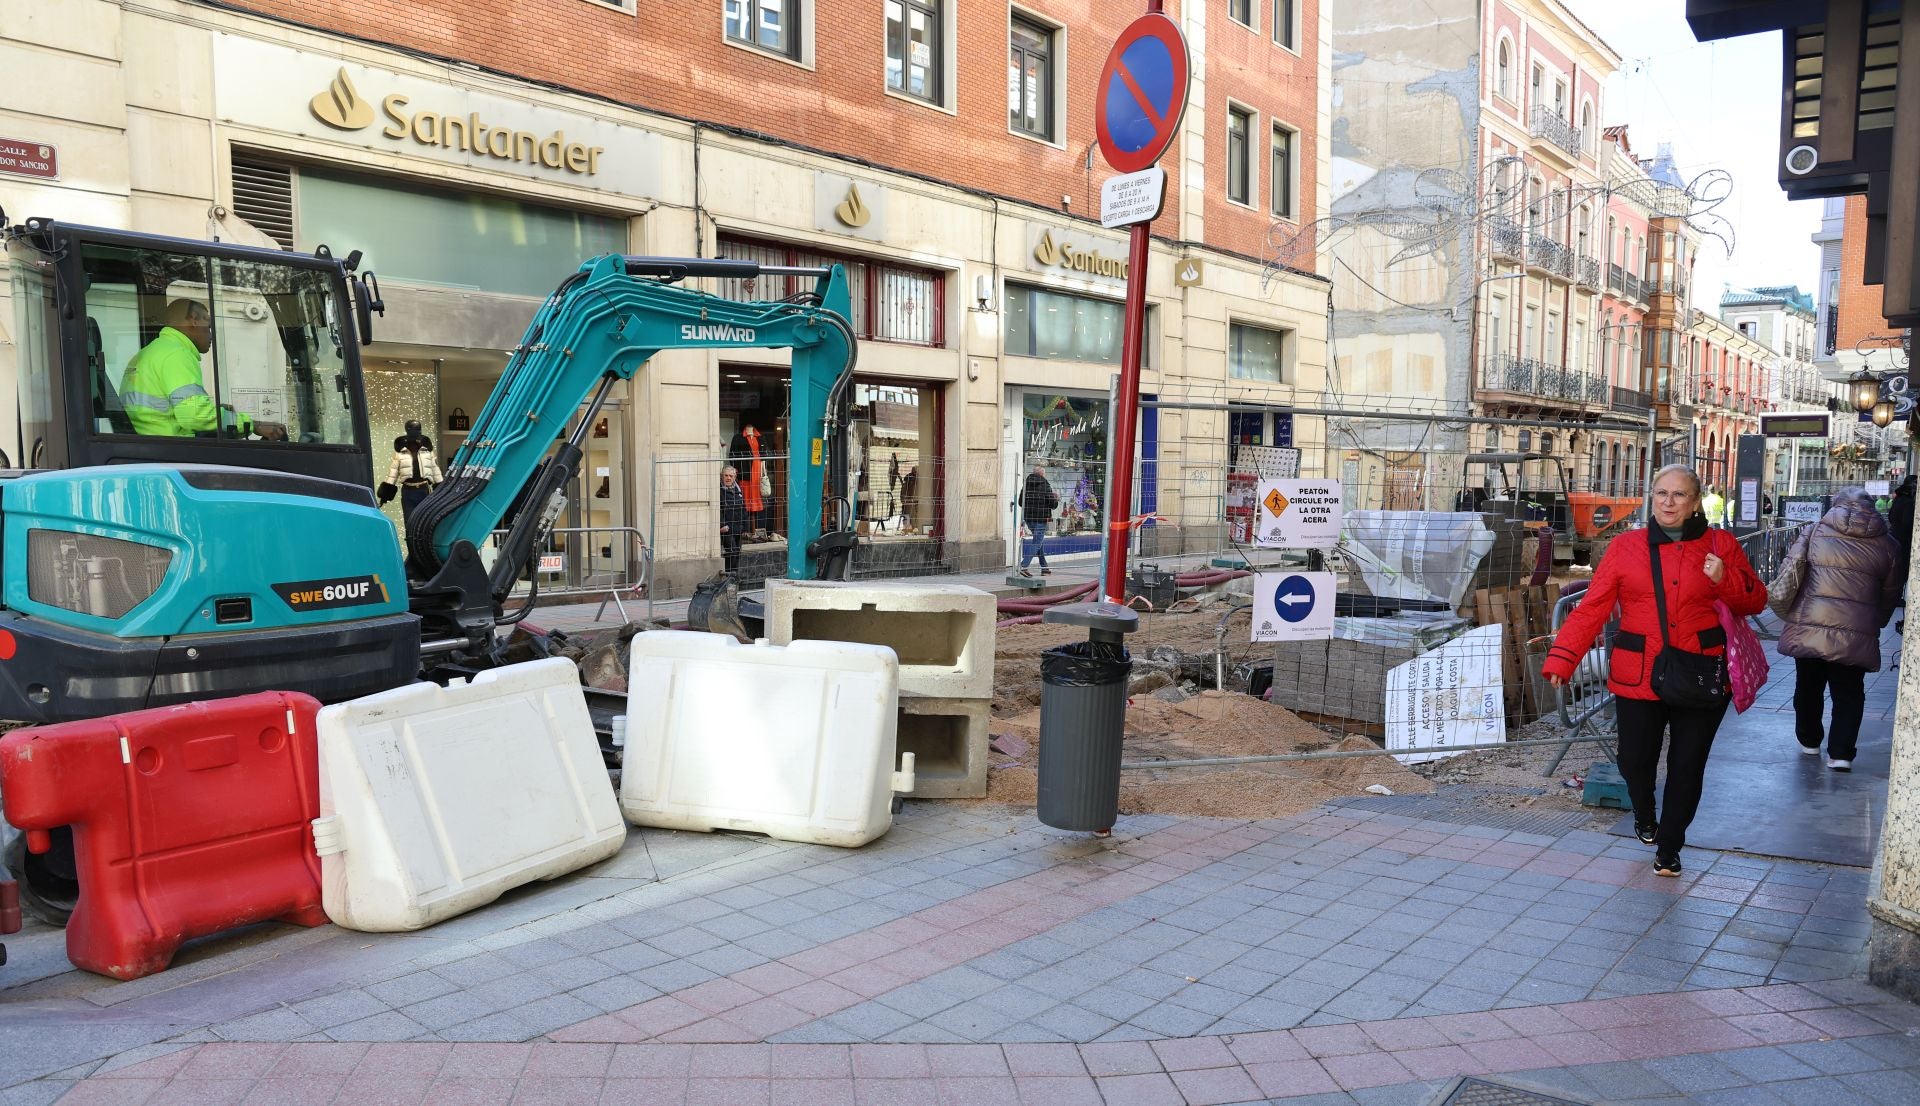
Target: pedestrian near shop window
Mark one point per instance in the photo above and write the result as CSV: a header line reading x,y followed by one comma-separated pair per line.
x,y
733,517
1836,591
1668,652
1037,503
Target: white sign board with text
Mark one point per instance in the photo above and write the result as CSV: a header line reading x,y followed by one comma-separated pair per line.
x,y
1452,695
1298,514
1131,198
1804,511
1879,487
1293,606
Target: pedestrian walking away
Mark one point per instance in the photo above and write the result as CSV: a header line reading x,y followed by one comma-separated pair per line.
x,y
1837,588
1667,668
1900,526
1037,503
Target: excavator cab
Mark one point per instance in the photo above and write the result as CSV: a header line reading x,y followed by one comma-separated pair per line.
x,y
279,361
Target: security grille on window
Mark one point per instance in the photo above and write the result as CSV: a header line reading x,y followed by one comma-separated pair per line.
x,y
891,303
1030,79
1256,353
914,49
767,24
1239,166
1285,25
1283,140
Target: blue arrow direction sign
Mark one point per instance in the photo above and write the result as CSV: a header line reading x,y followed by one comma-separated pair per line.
x,y
1293,598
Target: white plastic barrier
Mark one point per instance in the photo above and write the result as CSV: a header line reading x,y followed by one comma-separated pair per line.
x,y
434,801
793,741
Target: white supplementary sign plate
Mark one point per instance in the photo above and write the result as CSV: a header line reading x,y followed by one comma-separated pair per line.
x,y
1131,198
1298,514
1292,606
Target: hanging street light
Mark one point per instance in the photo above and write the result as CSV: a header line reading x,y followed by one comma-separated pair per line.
x,y
1864,389
1883,413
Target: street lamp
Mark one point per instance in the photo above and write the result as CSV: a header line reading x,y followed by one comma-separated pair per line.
x,y
1864,388
1883,413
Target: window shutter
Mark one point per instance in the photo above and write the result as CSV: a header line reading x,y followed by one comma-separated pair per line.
x,y
263,196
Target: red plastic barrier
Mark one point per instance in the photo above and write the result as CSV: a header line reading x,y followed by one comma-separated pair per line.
x,y
187,820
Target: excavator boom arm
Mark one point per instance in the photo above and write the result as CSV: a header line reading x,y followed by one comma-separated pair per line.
x,y
600,326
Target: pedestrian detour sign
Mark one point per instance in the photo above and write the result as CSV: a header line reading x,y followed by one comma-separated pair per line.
x,y
1292,606
1298,514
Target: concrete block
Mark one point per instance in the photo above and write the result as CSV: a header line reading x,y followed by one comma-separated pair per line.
x,y
942,633
948,740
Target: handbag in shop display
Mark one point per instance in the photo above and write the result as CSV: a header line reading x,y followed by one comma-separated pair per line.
x,y
458,420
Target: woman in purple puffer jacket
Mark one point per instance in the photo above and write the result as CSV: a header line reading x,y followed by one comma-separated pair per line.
x,y
1836,590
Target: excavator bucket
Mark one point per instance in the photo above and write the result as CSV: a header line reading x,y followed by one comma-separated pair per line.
x,y
715,608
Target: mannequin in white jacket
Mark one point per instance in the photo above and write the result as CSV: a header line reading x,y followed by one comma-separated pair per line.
x,y
413,473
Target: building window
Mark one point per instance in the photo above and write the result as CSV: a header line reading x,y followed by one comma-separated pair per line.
x,y
914,48
1282,170
1505,85
1256,353
1533,96
1060,326
1586,128
1030,79
1240,11
1239,165
1559,99
1286,25
891,303
767,24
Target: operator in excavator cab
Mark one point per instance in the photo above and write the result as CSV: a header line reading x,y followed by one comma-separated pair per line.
x,y
164,392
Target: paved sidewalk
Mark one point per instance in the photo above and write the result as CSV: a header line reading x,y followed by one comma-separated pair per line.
x,y
974,956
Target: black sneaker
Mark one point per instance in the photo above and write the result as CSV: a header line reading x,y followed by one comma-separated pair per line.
x,y
1646,831
1666,866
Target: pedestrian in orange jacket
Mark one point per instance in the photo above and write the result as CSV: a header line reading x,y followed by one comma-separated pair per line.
x,y
1698,566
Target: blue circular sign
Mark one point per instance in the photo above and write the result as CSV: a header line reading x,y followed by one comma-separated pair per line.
x,y
1293,598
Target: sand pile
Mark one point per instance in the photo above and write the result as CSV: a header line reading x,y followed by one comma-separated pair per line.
x,y
1210,724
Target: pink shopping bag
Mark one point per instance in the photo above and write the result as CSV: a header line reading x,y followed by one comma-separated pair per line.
x,y
1746,658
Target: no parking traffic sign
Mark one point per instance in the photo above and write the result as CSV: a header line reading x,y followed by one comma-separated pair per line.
x,y
1142,93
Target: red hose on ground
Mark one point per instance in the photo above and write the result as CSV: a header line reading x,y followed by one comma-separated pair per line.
x,y
1023,620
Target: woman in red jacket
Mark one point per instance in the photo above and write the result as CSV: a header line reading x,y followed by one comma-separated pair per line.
x,y
1699,565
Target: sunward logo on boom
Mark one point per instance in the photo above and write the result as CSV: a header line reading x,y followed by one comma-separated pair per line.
x,y
720,333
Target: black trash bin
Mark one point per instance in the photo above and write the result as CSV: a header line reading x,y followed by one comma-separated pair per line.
x,y
1083,715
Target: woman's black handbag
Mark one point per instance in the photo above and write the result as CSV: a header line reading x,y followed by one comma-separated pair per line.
x,y
1690,681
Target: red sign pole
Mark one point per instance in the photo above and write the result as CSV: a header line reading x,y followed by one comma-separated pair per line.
x,y
1126,418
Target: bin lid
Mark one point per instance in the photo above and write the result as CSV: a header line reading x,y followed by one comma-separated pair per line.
x,y
1111,617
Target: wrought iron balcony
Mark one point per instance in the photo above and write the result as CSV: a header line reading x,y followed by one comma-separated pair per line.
x,y
1545,123
1527,376
1545,253
1587,271
1632,402
1597,389
1633,289
1507,237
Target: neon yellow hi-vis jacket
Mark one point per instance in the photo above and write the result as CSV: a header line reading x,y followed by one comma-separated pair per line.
x,y
163,393
1715,508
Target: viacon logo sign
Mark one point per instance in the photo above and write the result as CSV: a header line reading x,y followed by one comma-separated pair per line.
x,y
340,106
